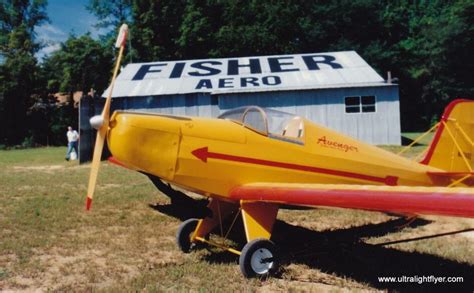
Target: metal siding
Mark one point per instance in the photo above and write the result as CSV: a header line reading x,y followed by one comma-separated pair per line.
x,y
179,105
204,105
327,107
185,105
393,116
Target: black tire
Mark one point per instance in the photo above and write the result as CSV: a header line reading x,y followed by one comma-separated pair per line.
x,y
259,258
184,233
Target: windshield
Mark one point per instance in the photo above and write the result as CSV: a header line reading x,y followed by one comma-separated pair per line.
x,y
267,121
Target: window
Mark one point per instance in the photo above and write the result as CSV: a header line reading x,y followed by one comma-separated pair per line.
x,y
252,117
352,104
275,124
256,119
368,104
360,104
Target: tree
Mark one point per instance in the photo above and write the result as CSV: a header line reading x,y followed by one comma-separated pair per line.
x,y
111,13
251,28
449,43
155,29
18,72
82,63
431,44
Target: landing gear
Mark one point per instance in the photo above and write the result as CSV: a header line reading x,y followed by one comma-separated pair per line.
x,y
258,259
183,236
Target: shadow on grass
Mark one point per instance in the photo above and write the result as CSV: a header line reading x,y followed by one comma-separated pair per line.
x,y
183,210
406,141
342,252
423,142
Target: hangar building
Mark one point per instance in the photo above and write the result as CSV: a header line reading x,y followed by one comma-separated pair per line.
x,y
338,90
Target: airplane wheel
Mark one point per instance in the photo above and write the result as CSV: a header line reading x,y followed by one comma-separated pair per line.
x,y
183,236
258,259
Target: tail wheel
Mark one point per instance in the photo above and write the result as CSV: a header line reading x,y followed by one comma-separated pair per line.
x,y
183,236
258,259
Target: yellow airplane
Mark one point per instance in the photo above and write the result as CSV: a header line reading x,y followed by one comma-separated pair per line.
x,y
252,160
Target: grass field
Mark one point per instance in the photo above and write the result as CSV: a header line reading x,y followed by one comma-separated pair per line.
x,y
48,241
411,136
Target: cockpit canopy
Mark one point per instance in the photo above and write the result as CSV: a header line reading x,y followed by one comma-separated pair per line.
x,y
267,121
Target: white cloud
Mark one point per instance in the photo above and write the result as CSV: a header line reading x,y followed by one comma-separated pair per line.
x,y
50,49
50,37
47,50
89,25
48,32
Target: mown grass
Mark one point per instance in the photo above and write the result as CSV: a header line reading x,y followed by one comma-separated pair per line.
x,y
411,136
416,151
49,242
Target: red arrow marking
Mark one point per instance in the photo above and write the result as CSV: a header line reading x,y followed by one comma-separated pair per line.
x,y
116,162
203,154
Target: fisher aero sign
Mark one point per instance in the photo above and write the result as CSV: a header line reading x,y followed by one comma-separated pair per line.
x,y
283,72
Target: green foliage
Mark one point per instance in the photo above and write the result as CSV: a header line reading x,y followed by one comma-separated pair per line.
x,y
111,13
155,29
82,63
17,21
432,57
48,121
18,71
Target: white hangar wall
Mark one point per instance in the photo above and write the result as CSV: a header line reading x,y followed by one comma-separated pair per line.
x,y
196,104
327,107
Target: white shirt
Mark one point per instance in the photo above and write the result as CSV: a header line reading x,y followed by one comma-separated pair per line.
x,y
72,136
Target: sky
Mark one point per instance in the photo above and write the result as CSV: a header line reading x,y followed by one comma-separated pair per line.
x,y
66,17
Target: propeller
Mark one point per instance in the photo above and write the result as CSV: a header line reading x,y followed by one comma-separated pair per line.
x,y
101,122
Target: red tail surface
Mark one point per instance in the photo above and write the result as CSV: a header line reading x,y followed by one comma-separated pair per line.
x,y
452,148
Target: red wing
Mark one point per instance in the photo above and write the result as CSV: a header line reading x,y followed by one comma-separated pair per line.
x,y
457,202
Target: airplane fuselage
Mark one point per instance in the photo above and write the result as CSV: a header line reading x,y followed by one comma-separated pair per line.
x,y
211,156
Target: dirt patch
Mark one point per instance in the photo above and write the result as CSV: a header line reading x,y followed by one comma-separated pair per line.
x,y
297,285
469,235
83,166
450,224
6,258
306,279
84,269
46,168
26,187
108,186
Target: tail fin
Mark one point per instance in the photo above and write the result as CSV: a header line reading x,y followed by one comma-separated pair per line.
x,y
452,148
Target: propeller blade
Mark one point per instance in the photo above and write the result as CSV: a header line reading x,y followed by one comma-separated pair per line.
x,y
99,145
102,131
122,36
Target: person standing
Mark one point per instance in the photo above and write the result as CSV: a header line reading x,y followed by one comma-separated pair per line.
x,y
72,138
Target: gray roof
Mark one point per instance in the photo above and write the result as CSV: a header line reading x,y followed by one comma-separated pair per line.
x,y
246,74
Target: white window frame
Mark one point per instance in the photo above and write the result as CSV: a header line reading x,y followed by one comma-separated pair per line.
x,y
360,105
